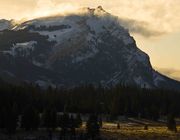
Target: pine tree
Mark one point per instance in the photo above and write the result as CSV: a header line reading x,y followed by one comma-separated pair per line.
x,y
171,123
50,118
92,126
100,122
30,119
78,121
118,125
72,125
2,118
64,123
11,118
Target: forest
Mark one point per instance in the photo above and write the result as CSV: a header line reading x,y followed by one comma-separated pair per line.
x,y
28,101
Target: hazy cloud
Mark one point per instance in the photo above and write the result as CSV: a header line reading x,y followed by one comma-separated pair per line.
x,y
173,73
140,27
160,15
16,9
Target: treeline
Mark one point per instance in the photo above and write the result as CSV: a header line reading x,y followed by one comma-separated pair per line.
x,y
49,120
120,100
9,37
48,28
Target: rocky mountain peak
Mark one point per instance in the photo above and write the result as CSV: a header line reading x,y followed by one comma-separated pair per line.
x,y
100,8
95,11
77,49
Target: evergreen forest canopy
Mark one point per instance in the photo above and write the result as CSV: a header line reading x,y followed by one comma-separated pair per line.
x,y
119,100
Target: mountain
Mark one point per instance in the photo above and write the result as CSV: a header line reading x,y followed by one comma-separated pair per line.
x,y
89,47
5,24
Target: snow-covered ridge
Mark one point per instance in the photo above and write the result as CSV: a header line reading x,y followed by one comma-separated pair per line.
x,y
56,20
97,20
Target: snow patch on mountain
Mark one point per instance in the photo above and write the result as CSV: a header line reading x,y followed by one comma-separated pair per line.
x,y
141,82
82,57
24,49
36,63
44,84
57,36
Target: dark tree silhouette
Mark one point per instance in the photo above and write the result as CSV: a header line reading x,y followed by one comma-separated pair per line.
x,y
78,121
145,127
50,118
72,125
11,118
64,123
92,126
30,119
171,123
118,125
100,121
2,118
118,100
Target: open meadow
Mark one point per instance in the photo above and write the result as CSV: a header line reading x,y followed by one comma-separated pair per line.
x,y
136,131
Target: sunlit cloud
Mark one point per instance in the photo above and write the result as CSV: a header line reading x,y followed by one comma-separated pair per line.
x,y
50,7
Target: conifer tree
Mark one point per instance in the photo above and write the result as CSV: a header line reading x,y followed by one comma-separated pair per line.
x,y
92,126
30,119
50,118
171,123
11,118
78,121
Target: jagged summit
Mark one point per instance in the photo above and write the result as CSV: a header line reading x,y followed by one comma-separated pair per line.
x,y
77,49
99,8
99,11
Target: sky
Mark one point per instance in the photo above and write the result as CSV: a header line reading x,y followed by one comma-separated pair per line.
x,y
155,24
